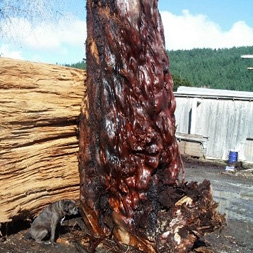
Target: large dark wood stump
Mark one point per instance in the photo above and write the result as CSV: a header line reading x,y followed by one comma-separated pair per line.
x,y
129,160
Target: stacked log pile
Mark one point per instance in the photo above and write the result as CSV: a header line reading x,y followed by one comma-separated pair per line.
x,y
39,109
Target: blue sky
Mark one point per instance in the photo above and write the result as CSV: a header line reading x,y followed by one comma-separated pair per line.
x,y
223,12
187,24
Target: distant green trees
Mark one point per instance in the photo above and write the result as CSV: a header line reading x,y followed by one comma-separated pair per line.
x,y
78,65
179,81
212,68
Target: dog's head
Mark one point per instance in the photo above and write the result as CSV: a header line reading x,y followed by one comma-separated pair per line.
x,y
69,207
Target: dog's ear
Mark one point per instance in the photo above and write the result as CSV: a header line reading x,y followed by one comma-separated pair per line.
x,y
66,205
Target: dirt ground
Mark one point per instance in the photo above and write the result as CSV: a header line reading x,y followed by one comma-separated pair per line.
x,y
237,236
234,193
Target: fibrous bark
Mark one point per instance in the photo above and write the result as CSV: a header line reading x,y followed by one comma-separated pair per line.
x,y
39,109
129,160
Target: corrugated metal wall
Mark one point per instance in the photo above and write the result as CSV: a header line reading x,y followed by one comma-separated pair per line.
x,y
226,122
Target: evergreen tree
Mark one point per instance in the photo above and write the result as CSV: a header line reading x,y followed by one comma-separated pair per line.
x,y
213,68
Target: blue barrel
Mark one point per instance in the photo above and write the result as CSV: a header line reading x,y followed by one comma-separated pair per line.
x,y
233,156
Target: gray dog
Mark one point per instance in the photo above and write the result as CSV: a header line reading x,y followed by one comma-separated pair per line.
x,y
50,217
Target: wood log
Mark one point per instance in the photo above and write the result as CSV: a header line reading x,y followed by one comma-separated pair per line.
x,y
131,188
39,110
127,140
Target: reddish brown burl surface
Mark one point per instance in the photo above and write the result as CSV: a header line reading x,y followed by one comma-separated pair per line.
x,y
128,150
130,128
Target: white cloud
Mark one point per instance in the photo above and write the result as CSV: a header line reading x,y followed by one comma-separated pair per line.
x,y
189,31
5,51
62,40
45,35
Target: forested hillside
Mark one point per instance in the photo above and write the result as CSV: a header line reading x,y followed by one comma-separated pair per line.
x,y
212,68
78,65
218,69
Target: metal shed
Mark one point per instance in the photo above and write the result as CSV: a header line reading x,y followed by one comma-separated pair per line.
x,y
216,121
